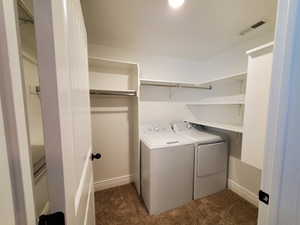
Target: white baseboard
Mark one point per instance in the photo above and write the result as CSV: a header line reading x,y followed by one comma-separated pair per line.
x,y
127,179
112,182
243,192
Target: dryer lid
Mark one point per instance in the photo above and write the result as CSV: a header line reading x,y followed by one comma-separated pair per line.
x,y
198,136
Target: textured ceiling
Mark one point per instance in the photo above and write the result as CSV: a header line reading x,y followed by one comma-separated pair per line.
x,y
198,30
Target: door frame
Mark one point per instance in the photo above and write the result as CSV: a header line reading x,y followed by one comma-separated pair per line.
x,y
11,90
279,116
14,116
7,209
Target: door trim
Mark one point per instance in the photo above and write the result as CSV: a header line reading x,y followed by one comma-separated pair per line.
x,y
83,181
14,116
281,86
7,209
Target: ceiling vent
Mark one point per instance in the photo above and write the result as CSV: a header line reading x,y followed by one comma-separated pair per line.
x,y
253,27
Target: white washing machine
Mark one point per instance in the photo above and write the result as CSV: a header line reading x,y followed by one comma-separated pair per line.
x,y
167,168
211,159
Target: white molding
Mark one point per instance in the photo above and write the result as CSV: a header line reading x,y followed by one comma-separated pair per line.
x,y
111,60
261,48
243,192
113,182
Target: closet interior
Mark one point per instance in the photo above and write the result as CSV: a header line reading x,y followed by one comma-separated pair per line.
x,y
121,103
114,96
156,84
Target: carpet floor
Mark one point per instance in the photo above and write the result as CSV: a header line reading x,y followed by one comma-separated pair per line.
x,y
122,206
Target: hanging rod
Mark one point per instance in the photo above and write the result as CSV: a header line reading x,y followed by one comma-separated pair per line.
x,y
177,85
104,92
113,92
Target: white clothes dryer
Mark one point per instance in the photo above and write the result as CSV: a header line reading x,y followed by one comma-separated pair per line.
x,y
211,159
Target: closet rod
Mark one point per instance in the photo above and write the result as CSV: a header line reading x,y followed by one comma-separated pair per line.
x,y
112,92
104,92
179,86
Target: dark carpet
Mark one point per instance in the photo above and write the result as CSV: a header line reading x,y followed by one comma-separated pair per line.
x,y
122,206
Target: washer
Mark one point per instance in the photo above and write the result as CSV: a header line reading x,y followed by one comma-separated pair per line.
x,y
211,159
167,164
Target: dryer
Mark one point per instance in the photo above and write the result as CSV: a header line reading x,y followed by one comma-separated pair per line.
x,y
211,159
167,168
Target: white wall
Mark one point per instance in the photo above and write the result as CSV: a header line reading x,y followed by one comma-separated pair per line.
x,y
160,106
111,136
31,79
33,105
165,104
232,60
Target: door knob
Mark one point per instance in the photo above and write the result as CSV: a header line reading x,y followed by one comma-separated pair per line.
x,y
95,156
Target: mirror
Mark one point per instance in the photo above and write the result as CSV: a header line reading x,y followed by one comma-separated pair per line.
x,y
33,105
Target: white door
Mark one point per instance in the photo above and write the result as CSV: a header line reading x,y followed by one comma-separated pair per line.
x,y
64,85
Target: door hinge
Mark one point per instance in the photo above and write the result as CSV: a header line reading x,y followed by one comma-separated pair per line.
x,y
264,197
52,219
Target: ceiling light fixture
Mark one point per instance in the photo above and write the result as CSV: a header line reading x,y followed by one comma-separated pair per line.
x,y
176,3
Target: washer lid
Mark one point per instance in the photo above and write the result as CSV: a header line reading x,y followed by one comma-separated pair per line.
x,y
156,141
161,136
